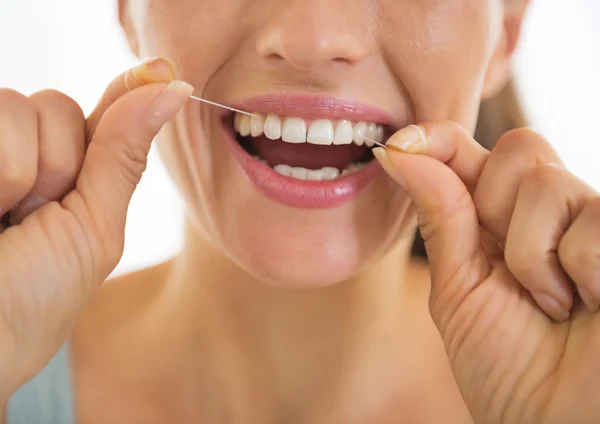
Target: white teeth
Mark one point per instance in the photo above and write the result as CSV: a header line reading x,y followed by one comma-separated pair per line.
x,y
321,132
314,175
237,119
244,126
273,127
299,173
344,133
355,167
330,173
294,130
324,174
257,125
360,130
379,134
284,170
372,132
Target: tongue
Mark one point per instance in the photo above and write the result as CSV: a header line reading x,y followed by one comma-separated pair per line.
x,y
309,156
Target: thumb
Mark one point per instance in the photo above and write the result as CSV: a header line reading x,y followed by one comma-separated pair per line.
x,y
436,163
115,160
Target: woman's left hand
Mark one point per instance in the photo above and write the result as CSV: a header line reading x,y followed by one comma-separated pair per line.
x,y
513,240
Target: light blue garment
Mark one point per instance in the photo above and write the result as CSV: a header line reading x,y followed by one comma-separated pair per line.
x,y
48,397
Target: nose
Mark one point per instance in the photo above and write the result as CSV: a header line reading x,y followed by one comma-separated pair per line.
x,y
310,34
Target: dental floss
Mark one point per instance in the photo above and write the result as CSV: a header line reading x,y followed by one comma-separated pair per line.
x,y
252,114
220,105
385,146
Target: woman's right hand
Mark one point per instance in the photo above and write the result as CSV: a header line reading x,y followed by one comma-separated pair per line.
x,y
65,186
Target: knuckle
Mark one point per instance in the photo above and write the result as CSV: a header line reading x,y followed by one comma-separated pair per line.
x,y
57,168
18,142
62,137
453,127
540,176
17,177
578,258
60,164
18,171
17,105
579,249
60,103
524,141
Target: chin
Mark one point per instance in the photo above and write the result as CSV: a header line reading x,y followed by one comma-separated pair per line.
x,y
313,256
314,248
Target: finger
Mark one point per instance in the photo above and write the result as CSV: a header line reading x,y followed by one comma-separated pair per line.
x,y
579,253
449,225
18,148
496,191
153,70
447,142
548,197
61,144
114,162
438,163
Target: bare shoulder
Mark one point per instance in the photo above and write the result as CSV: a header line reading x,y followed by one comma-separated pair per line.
x,y
105,350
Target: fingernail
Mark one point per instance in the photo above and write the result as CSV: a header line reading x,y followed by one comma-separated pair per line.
x,y
25,208
411,139
158,69
556,165
169,101
588,299
552,307
383,158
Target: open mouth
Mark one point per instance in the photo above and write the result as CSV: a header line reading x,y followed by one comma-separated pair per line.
x,y
311,150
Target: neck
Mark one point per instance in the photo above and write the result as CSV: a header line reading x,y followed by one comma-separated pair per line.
x,y
299,349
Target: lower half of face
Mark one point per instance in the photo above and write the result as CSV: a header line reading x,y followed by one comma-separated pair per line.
x,y
292,193
288,217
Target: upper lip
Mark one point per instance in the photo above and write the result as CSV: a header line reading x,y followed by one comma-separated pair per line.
x,y
316,107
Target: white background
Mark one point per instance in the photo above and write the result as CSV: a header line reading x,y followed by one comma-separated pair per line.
x,y
77,47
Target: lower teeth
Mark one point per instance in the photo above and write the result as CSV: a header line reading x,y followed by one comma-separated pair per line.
x,y
324,174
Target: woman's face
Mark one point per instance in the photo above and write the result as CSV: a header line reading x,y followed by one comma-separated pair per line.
x,y
319,74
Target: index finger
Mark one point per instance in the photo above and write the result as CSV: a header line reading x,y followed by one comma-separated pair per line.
x,y
448,142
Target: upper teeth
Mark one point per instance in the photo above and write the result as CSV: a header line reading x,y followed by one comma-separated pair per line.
x,y
297,130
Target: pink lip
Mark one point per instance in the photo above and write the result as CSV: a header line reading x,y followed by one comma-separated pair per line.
x,y
297,193
315,107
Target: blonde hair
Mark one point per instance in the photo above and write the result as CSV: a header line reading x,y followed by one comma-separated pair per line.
x,y
497,116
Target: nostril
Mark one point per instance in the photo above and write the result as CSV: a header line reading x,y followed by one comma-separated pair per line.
x,y
276,57
342,60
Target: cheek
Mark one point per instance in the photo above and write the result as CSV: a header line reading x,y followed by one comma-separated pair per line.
x,y
441,52
198,35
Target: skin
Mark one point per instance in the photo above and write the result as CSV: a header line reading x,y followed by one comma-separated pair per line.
x,y
236,328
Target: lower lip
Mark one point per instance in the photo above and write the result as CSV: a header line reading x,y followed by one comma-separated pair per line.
x,y
298,193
